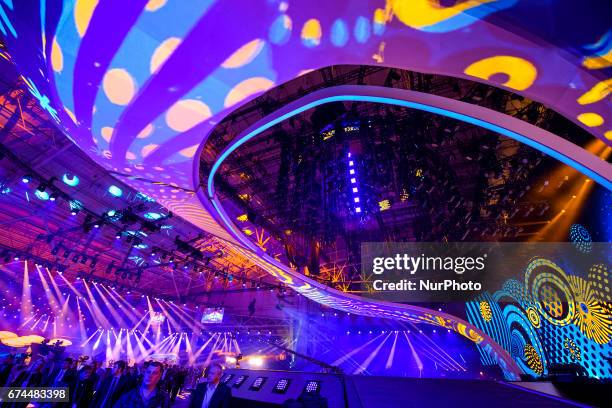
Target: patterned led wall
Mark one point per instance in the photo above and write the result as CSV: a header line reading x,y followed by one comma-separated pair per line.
x,y
551,317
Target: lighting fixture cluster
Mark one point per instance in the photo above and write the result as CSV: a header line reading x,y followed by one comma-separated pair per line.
x,y
46,190
9,255
90,278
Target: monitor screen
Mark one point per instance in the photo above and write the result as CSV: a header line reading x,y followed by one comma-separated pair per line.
x,y
212,315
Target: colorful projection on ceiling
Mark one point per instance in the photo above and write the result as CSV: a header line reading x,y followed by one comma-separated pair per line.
x,y
552,318
139,85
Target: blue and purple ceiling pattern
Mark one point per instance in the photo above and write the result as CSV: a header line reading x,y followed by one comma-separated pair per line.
x,y
140,85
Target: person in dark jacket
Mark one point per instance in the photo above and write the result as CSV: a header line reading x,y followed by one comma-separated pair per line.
x,y
64,376
31,377
148,394
112,387
212,393
179,381
5,369
81,396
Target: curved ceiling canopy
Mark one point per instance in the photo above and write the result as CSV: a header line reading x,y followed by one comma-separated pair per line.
x,y
139,85
546,142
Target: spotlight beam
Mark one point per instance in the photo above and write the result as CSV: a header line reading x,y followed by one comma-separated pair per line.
x,y
46,324
36,322
426,340
169,318
432,355
117,304
26,295
201,349
53,302
180,313
212,350
121,303
392,353
116,316
100,319
97,343
354,351
84,343
141,347
415,355
364,366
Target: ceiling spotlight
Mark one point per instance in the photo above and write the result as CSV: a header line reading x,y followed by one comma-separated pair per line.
x,y
70,179
118,235
53,196
41,195
26,179
115,191
75,206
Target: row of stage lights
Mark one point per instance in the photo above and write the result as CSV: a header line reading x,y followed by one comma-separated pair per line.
x,y
10,255
231,333
420,331
46,191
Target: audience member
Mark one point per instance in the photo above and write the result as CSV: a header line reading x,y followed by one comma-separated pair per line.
x,y
148,394
212,393
112,387
81,396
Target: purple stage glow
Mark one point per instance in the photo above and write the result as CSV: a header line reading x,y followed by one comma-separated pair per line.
x,y
140,85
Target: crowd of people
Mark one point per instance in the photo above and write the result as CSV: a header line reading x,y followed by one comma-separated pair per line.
x,y
117,384
151,384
